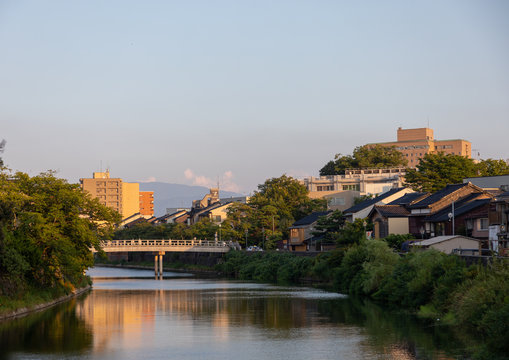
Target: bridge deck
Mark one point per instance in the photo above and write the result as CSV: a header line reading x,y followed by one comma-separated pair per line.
x,y
165,245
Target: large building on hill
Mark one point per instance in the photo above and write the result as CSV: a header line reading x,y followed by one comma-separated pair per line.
x,y
415,143
113,192
363,181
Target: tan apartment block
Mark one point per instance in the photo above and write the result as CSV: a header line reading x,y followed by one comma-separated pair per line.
x,y
130,199
112,192
147,203
415,143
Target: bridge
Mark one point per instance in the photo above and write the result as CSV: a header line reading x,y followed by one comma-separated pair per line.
x,y
160,247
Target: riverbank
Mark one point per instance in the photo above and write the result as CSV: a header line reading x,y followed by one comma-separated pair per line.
x,y
35,306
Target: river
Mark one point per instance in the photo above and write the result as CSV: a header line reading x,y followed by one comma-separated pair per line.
x,y
129,315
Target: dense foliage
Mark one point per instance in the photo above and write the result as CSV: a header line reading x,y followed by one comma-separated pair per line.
x,y
367,156
47,229
435,171
277,204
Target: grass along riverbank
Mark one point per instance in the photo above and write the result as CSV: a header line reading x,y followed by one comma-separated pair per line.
x,y
37,298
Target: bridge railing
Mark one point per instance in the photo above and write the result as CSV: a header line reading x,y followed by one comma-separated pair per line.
x,y
164,243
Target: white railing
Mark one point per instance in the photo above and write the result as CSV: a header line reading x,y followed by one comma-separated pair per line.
x,y
164,243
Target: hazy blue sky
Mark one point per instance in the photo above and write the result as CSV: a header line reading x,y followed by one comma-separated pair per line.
x,y
189,91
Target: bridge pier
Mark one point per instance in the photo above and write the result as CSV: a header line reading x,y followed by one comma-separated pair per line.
x,y
158,265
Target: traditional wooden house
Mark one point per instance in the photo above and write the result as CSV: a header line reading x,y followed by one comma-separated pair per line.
x,y
301,232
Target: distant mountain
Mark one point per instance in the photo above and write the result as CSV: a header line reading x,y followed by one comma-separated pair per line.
x,y
178,195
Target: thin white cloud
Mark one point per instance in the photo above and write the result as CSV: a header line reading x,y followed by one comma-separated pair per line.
x,y
225,182
149,179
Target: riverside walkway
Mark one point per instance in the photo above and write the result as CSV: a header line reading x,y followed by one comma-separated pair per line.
x,y
160,247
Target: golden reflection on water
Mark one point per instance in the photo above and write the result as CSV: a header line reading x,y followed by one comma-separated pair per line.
x,y
126,321
204,319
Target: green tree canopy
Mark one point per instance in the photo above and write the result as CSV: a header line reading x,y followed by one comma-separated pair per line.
x,y
366,156
330,226
288,197
491,167
435,171
47,229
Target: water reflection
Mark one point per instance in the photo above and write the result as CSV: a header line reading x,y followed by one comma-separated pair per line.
x,y
55,331
195,319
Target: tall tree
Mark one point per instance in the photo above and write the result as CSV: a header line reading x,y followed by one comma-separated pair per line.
x,y
435,171
288,196
366,156
329,226
491,167
47,229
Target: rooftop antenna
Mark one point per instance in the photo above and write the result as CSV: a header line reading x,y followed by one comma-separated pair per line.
x,y
101,166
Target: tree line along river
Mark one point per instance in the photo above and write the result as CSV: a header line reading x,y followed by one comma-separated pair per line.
x,y
129,315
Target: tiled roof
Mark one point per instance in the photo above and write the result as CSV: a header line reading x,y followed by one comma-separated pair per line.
x,y
460,208
392,210
433,198
362,205
503,195
407,199
311,218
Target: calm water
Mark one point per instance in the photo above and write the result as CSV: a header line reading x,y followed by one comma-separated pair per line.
x,y
129,315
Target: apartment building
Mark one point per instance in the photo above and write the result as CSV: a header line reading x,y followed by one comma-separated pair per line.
x,y
147,203
121,196
415,143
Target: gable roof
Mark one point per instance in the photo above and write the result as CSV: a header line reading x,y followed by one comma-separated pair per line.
x,y
311,218
364,204
208,209
409,198
459,209
391,210
440,194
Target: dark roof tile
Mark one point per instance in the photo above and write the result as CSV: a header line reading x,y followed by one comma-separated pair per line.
x,y
362,205
392,210
311,218
460,208
433,198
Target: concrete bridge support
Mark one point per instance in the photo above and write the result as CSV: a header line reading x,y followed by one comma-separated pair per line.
x,y
158,265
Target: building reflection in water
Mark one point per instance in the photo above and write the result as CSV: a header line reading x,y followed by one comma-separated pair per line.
x,y
135,318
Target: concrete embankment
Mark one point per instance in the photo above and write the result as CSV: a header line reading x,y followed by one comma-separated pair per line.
x,y
28,310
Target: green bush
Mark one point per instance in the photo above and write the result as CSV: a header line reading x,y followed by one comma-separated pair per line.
x,y
395,241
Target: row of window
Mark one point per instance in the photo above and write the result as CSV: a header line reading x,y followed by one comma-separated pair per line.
x,y
412,147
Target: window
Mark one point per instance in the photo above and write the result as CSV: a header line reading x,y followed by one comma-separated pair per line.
x,y
352,187
483,224
336,201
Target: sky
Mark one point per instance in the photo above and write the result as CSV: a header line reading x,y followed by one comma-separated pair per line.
x,y
195,92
